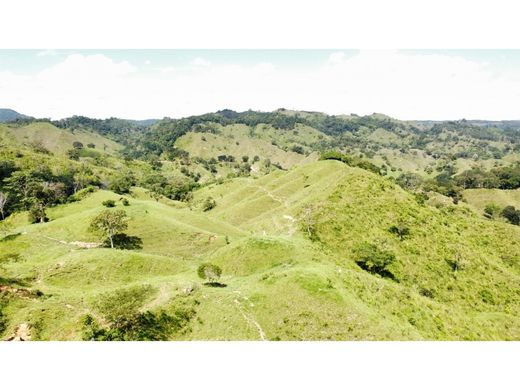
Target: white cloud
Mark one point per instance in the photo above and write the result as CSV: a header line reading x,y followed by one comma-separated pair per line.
x,y
45,53
406,86
200,62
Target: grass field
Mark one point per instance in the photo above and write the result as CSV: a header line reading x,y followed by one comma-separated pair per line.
x,y
278,282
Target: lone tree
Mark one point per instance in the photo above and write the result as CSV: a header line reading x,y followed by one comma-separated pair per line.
x,y
210,272
109,223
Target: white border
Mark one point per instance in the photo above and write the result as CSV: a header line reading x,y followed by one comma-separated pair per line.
x,y
379,24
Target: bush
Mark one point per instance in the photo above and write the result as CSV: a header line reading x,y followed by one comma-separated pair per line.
x,y
125,202
109,203
511,214
209,204
374,260
400,230
492,210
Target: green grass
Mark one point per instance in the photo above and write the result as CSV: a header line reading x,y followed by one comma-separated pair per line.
x,y
277,283
54,139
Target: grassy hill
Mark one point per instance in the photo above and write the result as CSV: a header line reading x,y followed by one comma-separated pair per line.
x,y
54,139
287,243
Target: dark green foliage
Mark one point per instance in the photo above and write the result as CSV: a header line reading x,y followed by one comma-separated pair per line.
x,y
352,161
209,204
297,149
400,230
125,202
511,214
109,203
124,241
492,210
122,183
374,260
3,318
410,181
209,272
77,145
91,145
125,321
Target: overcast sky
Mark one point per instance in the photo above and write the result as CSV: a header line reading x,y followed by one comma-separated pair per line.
x,y
141,84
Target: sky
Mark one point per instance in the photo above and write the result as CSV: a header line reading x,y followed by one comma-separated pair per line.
x,y
143,84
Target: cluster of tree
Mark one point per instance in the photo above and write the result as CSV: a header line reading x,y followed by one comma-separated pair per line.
x,y
34,188
502,178
175,189
352,161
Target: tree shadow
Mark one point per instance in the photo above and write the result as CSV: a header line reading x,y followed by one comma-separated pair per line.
x,y
383,272
215,284
11,237
124,241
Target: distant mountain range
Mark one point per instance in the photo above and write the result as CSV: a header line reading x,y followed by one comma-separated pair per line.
x,y
8,115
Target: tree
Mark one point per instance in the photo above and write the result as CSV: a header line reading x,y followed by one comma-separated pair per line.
x,y
209,272
122,183
77,145
109,223
209,204
374,260
3,202
511,214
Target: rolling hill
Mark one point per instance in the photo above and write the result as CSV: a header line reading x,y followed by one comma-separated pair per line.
x,y
312,246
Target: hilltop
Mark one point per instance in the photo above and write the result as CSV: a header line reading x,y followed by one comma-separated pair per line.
x,y
315,239
8,115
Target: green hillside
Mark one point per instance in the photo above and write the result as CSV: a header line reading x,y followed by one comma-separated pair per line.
x,y
259,226
279,282
54,139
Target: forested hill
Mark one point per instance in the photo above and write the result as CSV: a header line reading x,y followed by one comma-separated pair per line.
x,y
8,115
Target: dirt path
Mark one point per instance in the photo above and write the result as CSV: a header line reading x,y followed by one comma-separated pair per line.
x,y
21,333
250,320
79,244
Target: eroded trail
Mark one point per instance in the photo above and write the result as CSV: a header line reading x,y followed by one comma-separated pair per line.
x,y
250,320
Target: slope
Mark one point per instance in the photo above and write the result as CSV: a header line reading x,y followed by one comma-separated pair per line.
x,y
288,246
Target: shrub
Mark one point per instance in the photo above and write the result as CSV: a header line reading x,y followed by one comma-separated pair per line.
x,y
400,230
125,202
374,260
109,203
492,210
511,214
209,204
